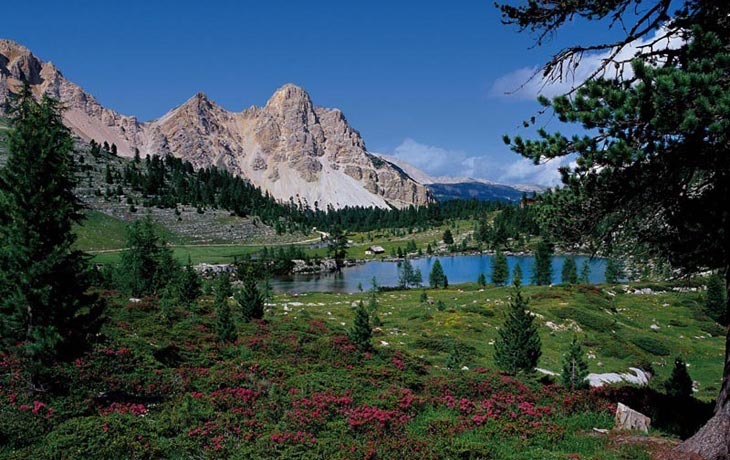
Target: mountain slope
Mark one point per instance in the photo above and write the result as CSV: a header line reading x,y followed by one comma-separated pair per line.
x,y
464,188
289,147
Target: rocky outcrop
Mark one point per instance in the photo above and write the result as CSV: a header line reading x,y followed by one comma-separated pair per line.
x,y
630,420
291,148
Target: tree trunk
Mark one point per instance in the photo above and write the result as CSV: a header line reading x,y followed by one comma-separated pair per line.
x,y
712,441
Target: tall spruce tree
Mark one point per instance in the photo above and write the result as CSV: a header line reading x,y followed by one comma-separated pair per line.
x,y
575,368
44,304
715,302
542,274
652,171
500,269
250,298
614,271
517,348
679,384
225,326
517,274
361,333
569,274
146,264
437,277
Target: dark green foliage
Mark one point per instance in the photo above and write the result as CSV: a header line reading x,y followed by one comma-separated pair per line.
x,y
587,319
575,368
569,274
188,284
614,271
460,355
225,325
585,272
448,237
250,298
517,348
679,383
500,269
517,274
337,246
513,222
542,274
44,305
146,264
361,332
482,279
651,345
715,301
437,278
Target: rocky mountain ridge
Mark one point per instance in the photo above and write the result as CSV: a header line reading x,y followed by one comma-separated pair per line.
x,y
289,147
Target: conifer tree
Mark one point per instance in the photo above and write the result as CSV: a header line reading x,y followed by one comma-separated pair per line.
x,y
715,302
361,332
225,326
585,272
250,298
437,277
500,269
543,272
517,274
575,368
448,237
189,286
44,304
614,271
482,279
405,276
679,383
337,246
569,274
517,348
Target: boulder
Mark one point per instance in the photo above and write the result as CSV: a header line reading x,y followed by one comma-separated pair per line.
x,y
629,419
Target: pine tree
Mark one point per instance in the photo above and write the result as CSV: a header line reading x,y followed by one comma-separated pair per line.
x,y
448,237
44,304
405,276
147,264
517,274
569,274
614,271
585,272
250,298
437,277
225,326
517,348
715,302
361,332
189,286
543,271
575,368
337,247
679,383
500,269
482,279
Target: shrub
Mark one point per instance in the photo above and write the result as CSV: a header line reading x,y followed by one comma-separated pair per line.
x,y
651,345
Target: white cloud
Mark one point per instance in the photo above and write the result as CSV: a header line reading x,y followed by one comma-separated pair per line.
x,y
438,162
524,171
524,84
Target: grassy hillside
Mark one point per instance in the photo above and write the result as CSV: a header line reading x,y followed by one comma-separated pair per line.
x,y
294,387
613,325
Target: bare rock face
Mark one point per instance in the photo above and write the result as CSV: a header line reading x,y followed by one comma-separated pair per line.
x,y
629,419
291,148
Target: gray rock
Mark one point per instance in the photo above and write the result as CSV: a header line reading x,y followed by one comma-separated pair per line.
x,y
629,419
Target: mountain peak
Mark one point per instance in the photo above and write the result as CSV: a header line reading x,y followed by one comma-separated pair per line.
x,y
290,95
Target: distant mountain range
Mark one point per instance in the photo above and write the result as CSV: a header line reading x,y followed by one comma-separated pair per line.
x,y
452,188
290,148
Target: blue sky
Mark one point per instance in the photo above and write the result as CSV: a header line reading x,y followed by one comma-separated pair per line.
x,y
423,80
